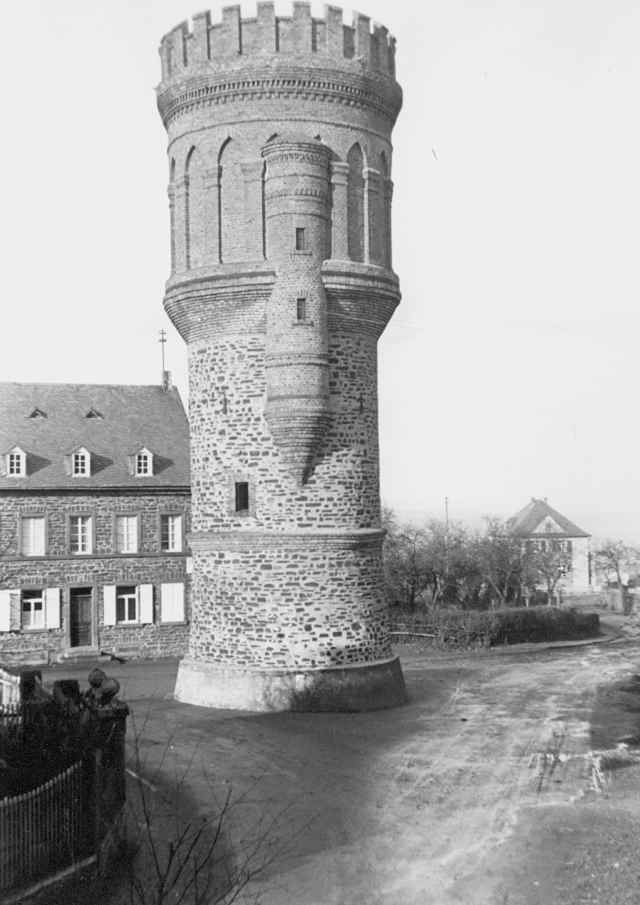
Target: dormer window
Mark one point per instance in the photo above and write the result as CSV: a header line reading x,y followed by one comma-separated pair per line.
x,y
81,463
16,463
143,463
37,413
93,413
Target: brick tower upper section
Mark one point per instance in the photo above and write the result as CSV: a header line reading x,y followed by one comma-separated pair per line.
x,y
278,56
280,196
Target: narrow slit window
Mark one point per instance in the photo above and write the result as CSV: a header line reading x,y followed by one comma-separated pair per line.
x,y
242,496
300,243
301,309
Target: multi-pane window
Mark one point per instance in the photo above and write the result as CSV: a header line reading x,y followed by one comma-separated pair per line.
x,y
80,540
171,533
127,533
80,463
242,496
15,464
143,463
126,603
32,534
32,606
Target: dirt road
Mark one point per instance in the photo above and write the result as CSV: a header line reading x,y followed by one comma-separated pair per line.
x,y
507,780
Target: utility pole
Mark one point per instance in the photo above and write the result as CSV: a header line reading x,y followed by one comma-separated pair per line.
x,y
166,377
163,341
446,537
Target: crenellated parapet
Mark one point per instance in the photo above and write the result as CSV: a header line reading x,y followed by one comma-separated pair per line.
x,y
299,34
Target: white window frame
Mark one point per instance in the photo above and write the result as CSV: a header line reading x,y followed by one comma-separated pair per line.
x,y
88,547
16,464
174,532
80,463
126,541
127,598
41,623
28,534
143,464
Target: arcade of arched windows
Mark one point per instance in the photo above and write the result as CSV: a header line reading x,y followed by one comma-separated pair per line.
x,y
217,215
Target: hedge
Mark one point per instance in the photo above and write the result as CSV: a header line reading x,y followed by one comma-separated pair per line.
x,y
515,625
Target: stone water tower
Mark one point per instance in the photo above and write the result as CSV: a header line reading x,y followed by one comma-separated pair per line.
x,y
281,283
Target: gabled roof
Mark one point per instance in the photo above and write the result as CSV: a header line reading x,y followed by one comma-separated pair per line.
x,y
132,417
527,522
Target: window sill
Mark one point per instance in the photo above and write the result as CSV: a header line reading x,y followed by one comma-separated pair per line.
x,y
169,624
304,323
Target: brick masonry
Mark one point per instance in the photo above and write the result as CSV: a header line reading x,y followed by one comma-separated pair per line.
x,y
280,192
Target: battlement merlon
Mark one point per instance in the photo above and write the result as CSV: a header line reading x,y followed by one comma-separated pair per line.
x,y
268,34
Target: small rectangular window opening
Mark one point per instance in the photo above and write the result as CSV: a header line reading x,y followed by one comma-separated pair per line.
x,y
301,309
300,245
242,496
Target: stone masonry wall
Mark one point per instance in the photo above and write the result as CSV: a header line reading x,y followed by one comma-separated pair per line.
x,y
235,444
60,569
304,605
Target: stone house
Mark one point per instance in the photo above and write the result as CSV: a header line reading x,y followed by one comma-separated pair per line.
x,y
94,514
539,524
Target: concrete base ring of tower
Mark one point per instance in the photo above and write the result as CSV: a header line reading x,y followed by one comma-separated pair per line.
x,y
362,687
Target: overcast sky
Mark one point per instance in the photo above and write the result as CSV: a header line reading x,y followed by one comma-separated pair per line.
x,y
510,368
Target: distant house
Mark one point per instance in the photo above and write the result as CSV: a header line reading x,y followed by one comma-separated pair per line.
x,y
94,514
538,523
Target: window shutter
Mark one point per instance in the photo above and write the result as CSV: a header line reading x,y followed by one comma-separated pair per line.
x,y
52,607
109,598
172,602
5,610
15,610
37,527
145,603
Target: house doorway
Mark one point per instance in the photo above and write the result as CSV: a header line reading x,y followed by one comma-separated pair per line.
x,y
80,617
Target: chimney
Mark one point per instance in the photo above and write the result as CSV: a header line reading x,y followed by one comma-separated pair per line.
x,y
166,381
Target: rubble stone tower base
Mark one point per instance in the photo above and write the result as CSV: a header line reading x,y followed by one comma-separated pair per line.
x,y
280,200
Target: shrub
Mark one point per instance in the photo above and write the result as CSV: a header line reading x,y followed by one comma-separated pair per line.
x,y
484,628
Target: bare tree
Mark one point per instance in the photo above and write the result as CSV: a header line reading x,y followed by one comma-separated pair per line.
x,y
178,855
430,564
546,562
614,560
407,570
499,557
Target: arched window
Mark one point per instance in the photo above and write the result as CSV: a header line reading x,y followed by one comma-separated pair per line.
x,y
172,212
385,205
355,204
193,210
231,202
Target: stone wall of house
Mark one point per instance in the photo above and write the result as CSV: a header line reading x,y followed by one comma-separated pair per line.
x,y
61,569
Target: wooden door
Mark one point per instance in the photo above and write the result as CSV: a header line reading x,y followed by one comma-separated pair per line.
x,y
80,612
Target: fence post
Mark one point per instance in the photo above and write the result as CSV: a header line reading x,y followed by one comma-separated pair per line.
x,y
97,801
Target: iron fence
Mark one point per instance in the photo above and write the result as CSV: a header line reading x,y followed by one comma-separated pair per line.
x,y
58,823
43,830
